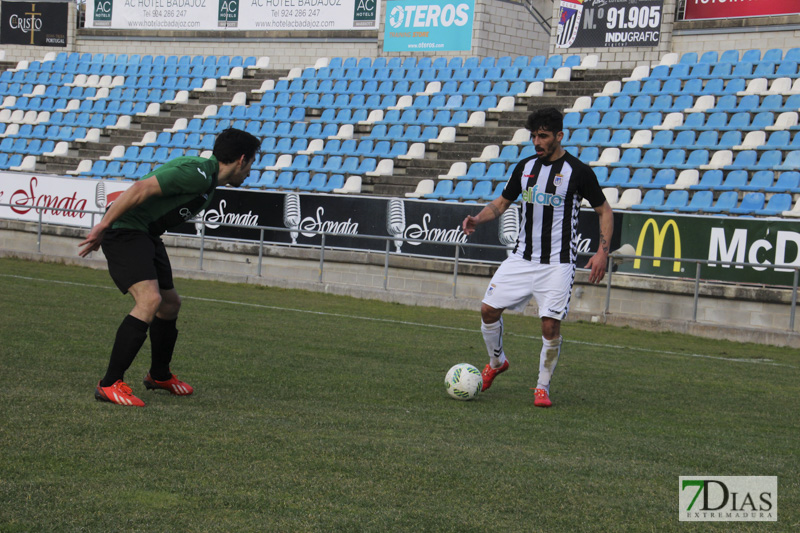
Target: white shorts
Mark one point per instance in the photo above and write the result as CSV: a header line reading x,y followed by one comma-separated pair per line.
x,y
518,280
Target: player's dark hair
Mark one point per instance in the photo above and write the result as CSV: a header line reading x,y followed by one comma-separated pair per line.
x,y
231,144
548,119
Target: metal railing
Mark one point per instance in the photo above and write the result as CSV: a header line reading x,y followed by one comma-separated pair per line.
x,y
614,259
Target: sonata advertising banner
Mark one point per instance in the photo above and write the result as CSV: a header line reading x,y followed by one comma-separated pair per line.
x,y
719,9
56,199
428,25
264,15
672,238
34,23
415,227
608,23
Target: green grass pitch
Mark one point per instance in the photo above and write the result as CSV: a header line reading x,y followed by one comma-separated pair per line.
x,y
322,413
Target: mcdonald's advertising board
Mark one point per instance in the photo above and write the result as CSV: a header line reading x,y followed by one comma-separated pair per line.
x,y
772,245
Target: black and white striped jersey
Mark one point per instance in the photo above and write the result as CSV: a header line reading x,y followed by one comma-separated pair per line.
x,y
551,202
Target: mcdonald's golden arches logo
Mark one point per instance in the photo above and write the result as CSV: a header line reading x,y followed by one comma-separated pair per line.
x,y
659,234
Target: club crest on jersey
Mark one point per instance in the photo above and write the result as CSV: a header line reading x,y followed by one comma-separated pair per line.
x,y
532,196
558,179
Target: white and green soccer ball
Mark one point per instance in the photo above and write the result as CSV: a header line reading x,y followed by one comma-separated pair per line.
x,y
463,381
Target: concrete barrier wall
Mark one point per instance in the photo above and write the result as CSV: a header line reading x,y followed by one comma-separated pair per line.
x,y
725,311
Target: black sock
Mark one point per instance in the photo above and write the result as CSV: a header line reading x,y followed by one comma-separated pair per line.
x,y
163,335
130,337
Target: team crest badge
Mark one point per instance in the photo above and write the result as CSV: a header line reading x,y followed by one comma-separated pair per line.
x,y
558,179
569,19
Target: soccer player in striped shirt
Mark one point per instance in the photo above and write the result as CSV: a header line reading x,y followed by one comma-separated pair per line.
x,y
552,184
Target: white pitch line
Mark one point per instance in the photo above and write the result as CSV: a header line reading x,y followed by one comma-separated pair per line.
x,y
768,362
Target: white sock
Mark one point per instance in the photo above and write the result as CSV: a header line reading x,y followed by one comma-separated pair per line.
x,y
548,358
493,337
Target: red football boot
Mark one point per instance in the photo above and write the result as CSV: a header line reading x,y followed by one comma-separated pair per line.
x,y
541,398
119,393
490,373
173,385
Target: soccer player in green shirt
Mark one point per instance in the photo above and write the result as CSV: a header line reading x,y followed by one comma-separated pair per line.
x,y
129,235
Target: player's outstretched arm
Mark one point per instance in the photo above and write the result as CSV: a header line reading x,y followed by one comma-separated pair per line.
x,y
599,261
135,195
493,209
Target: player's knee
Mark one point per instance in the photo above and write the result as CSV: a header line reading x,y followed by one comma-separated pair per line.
x,y
489,314
551,328
149,302
170,305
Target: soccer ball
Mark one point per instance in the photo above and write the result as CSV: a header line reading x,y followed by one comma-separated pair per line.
x,y
463,381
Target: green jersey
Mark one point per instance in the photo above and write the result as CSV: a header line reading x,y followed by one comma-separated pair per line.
x,y
187,186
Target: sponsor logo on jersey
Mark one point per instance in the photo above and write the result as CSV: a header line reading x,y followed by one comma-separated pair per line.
x,y
532,196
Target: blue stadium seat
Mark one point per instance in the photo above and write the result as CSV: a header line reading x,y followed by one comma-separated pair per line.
x,y
675,201
786,69
300,181
695,159
619,177
664,177
442,188
498,189
701,201
710,180
652,199
728,140
791,162
480,190
776,205
726,201
283,181
744,159
630,157
751,56
774,55
674,158
462,189
335,181
641,178
508,153
760,181
664,138
496,172
751,202
734,181
786,182
316,182
602,175
769,159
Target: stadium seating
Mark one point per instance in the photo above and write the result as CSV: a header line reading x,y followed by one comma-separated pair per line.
x,y
690,110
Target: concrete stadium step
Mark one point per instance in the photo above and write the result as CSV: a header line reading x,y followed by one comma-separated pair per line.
x,y
166,119
499,127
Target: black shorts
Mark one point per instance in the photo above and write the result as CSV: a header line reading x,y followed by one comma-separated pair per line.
x,y
135,256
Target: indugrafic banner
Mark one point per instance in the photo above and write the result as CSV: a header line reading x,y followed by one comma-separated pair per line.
x,y
265,15
720,9
609,23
